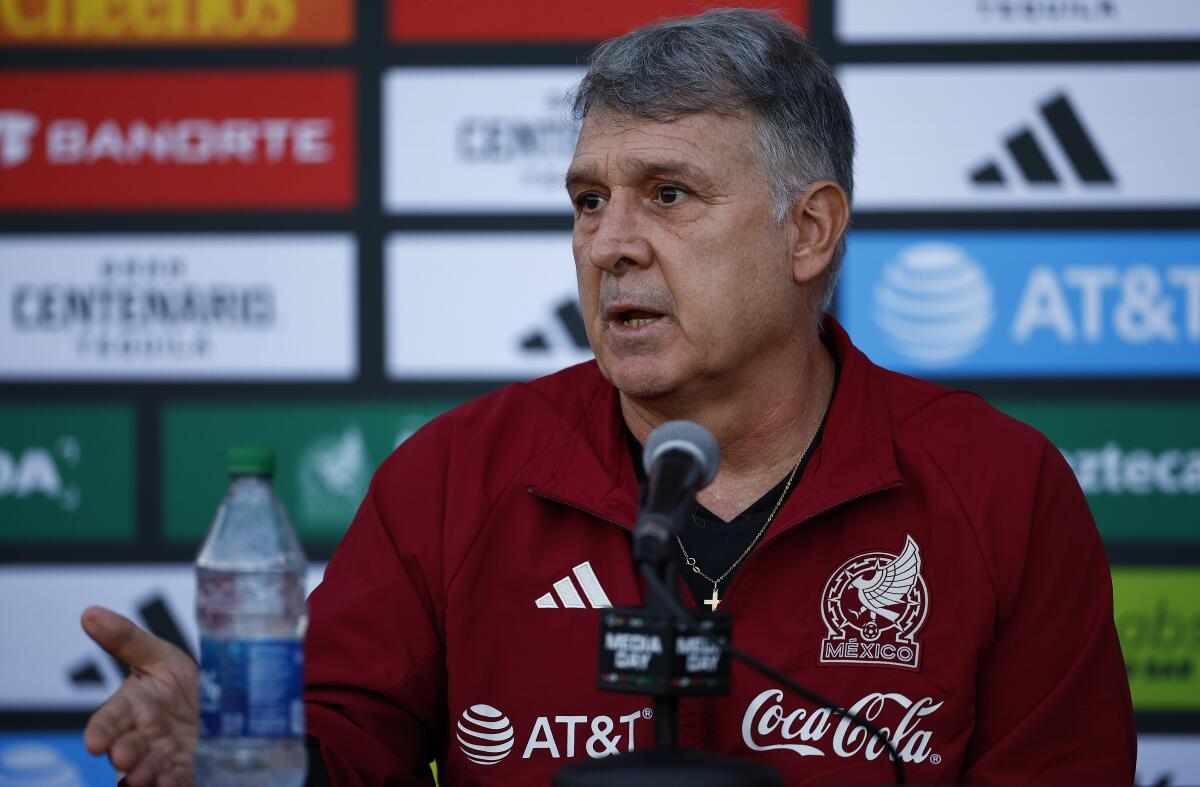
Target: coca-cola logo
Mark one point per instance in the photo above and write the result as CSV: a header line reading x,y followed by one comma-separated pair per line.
x,y
768,726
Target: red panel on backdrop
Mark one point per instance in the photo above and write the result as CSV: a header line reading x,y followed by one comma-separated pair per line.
x,y
550,20
230,139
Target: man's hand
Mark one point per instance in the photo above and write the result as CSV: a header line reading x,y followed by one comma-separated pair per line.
x,y
148,727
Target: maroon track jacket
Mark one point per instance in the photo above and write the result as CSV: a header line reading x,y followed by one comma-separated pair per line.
x,y
936,569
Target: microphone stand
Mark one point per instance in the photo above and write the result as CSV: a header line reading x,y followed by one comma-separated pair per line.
x,y
666,763
666,706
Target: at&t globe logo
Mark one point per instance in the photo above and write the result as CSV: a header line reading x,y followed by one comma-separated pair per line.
x,y
35,765
934,304
485,735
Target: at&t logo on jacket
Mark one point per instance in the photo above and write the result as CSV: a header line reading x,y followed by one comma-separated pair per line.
x,y
486,736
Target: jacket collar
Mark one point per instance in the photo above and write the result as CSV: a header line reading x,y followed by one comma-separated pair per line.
x,y
588,465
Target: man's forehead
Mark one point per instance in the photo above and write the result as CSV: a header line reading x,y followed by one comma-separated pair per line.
x,y
690,145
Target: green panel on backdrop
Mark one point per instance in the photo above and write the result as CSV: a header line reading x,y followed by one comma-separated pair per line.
x,y
66,474
325,455
1158,619
1138,461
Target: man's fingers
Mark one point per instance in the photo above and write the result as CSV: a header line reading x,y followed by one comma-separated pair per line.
x,y
121,637
108,723
147,771
128,750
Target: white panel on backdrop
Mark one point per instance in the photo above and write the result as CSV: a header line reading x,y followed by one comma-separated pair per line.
x,y
482,305
1168,759
914,21
88,307
49,663
1025,136
477,140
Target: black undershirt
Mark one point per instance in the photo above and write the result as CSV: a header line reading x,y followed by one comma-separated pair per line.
x,y
715,543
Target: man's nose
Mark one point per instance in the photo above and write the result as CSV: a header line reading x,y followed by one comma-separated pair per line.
x,y
619,242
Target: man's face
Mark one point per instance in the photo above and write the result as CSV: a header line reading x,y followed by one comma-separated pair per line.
x,y
684,276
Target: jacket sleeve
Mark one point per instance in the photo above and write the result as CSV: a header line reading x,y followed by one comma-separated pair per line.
x,y
1053,700
375,678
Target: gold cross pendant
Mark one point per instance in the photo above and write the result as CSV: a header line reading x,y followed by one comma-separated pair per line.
x,y
715,601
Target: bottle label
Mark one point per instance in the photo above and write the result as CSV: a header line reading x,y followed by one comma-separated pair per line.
x,y
251,688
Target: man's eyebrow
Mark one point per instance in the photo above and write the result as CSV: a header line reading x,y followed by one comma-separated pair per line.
x,y
641,169
585,174
664,169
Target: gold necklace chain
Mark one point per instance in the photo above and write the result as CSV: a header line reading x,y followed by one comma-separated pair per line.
x,y
715,600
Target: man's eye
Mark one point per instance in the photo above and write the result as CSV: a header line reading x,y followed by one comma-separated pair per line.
x,y
589,202
670,195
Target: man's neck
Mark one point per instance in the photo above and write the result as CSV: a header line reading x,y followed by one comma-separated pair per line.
x,y
763,426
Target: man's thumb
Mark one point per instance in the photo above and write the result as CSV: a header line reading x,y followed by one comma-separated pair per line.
x,y
121,637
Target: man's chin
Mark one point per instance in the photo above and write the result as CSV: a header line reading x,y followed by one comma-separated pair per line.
x,y
641,379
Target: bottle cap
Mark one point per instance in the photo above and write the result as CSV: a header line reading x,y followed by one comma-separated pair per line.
x,y
252,460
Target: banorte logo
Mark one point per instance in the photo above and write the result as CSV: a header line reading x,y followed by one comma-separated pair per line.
x,y
16,137
768,725
934,303
255,138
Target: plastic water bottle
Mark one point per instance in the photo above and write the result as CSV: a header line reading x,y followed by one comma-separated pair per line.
x,y
252,613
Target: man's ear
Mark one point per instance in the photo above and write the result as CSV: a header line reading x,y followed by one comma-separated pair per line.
x,y
819,217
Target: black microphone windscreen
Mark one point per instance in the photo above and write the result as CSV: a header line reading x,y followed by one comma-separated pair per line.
x,y
684,436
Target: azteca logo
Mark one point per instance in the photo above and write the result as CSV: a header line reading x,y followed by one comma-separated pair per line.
x,y
873,605
934,303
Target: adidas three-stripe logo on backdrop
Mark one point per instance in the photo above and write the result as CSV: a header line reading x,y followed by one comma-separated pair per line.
x,y
1031,159
568,595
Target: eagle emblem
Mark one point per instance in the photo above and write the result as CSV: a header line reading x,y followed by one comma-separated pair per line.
x,y
873,605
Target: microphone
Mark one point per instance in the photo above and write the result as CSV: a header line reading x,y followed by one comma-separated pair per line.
x,y
680,458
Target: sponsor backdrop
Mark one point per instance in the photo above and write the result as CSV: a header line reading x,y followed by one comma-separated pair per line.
x,y
317,225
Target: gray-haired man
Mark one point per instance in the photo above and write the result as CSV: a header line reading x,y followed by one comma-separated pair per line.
x,y
901,548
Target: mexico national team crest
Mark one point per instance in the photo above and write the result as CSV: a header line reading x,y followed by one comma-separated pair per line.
x,y
873,606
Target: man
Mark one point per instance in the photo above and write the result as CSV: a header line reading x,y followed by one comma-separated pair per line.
x,y
907,551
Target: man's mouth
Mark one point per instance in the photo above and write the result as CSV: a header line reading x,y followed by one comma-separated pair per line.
x,y
635,318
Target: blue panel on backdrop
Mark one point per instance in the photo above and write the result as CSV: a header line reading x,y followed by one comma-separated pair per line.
x,y
1021,303
51,759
